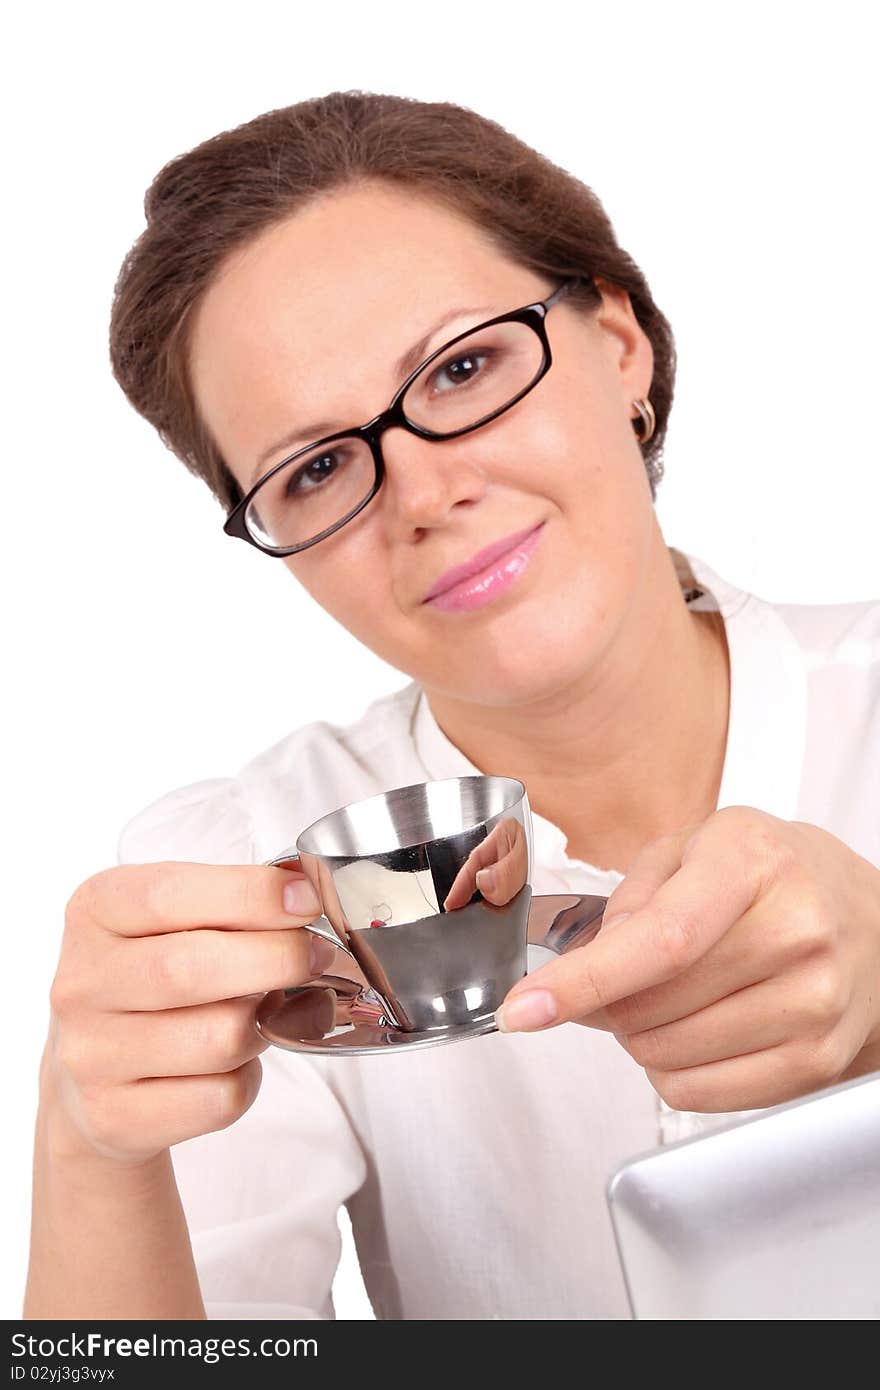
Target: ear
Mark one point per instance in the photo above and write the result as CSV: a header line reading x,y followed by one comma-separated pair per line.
x,y
625,339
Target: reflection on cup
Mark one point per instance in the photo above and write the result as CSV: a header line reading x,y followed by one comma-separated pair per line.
x,y
396,875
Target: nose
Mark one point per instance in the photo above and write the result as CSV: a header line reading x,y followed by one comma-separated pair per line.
x,y
425,479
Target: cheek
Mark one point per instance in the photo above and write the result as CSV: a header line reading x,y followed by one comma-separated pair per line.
x,y
592,394
584,463
348,575
580,446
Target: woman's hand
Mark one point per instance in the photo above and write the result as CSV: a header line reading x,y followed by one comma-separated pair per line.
x,y
747,971
152,1037
498,867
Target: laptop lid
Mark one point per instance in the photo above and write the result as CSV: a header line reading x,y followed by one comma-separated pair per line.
x,y
777,1216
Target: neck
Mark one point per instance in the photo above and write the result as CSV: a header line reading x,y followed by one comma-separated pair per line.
x,y
631,750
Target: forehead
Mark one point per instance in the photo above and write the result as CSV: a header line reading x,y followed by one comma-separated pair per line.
x,y
349,257
321,303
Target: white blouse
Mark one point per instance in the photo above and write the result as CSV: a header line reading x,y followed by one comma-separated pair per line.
x,y
474,1174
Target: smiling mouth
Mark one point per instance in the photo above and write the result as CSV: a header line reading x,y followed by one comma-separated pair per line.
x,y
482,560
474,588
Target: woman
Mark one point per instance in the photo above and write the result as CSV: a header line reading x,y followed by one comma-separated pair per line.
x,y
497,543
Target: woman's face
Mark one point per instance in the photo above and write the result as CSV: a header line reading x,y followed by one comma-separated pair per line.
x,y
305,325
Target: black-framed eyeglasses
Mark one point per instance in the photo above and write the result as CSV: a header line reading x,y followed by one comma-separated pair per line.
x,y
312,493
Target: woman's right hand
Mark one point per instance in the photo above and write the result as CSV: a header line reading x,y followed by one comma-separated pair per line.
x,y
152,1037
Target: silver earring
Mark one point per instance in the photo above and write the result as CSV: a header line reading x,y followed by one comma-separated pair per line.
x,y
646,411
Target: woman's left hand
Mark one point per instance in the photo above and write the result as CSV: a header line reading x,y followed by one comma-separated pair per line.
x,y
747,972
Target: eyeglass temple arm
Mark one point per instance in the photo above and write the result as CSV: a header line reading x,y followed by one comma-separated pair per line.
x,y
565,288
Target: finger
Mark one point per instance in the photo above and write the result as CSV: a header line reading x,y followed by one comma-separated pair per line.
x,y
652,866
686,916
142,1118
759,1017
497,866
198,967
654,863
767,941
465,881
199,1040
147,899
502,879
734,963
758,1079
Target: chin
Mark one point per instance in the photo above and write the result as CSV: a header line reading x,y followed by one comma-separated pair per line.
x,y
531,669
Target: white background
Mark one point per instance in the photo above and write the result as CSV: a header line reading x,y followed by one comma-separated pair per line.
x,y
733,149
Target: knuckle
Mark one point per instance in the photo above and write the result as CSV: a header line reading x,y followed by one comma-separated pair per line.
x,y
646,1048
824,1061
678,936
173,969
802,928
72,1055
780,858
249,897
96,900
676,1090
232,1094
810,922
588,993
827,998
63,994
619,1017
744,820
626,1015
760,841
82,903
162,889
100,1112
223,1036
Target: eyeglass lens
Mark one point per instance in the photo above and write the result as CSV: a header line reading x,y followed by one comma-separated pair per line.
x,y
462,387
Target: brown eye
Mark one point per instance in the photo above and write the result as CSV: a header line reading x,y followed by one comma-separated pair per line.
x,y
312,474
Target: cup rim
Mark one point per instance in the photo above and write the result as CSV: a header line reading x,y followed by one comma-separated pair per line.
x,y
516,793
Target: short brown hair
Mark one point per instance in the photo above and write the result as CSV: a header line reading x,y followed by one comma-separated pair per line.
x,y
206,203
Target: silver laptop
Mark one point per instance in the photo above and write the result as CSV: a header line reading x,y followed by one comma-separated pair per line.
x,y
777,1216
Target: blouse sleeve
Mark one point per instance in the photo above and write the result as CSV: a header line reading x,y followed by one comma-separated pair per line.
x,y
261,1197
204,823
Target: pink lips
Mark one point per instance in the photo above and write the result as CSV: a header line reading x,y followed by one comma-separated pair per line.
x,y
487,574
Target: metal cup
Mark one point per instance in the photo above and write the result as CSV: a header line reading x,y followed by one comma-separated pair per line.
x,y
396,878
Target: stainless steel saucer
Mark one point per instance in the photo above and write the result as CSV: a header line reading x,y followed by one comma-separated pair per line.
x,y
340,1016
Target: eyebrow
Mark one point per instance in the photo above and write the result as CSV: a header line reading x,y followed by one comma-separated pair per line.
x,y
402,369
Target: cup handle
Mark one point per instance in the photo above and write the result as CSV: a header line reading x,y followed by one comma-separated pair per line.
x,y
290,860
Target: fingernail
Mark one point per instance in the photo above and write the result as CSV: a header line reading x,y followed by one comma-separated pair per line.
x,y
300,899
616,921
532,1009
321,954
486,880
